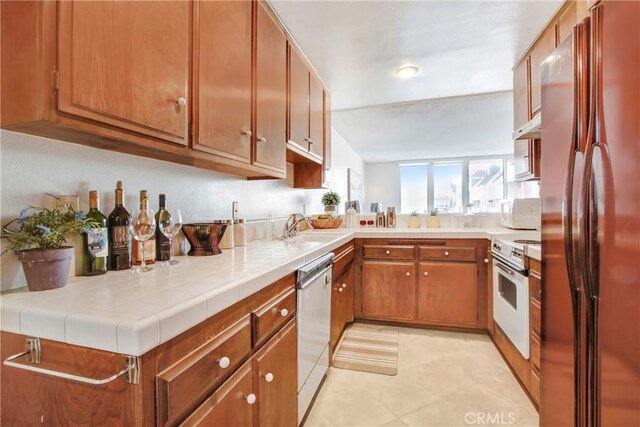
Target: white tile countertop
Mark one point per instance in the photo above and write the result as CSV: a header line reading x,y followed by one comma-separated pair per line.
x,y
133,313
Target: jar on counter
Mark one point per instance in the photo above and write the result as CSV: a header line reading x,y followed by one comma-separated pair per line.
x,y
227,239
239,232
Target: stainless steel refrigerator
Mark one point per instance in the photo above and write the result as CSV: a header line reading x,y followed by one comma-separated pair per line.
x,y
590,190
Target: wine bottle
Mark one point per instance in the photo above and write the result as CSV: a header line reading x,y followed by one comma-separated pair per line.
x,y
119,237
150,245
163,245
96,247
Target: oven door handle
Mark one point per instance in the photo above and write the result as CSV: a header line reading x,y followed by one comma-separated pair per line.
x,y
504,268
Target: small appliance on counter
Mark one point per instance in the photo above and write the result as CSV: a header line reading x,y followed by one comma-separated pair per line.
x,y
521,214
375,207
355,204
205,237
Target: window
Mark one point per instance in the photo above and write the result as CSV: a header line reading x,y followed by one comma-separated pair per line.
x,y
447,187
486,184
414,188
450,185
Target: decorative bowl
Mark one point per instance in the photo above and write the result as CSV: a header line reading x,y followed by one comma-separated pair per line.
x,y
326,223
204,237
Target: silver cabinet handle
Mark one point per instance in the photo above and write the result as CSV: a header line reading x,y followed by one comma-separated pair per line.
x,y
268,377
262,139
284,312
224,362
247,132
251,398
182,101
130,371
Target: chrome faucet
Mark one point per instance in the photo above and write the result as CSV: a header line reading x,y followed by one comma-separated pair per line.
x,y
292,226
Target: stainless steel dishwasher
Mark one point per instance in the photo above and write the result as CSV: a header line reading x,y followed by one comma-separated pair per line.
x,y
313,317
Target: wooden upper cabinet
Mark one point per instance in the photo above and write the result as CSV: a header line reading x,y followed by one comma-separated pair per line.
x,y
298,100
448,292
326,156
388,289
521,93
222,78
276,376
126,64
271,92
567,21
316,116
227,406
544,45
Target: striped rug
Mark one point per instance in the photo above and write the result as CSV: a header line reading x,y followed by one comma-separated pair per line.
x,y
368,349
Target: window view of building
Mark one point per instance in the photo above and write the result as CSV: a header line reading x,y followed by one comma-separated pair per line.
x,y
447,187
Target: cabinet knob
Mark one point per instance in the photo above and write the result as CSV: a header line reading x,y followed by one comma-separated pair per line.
x,y
224,362
182,101
340,289
251,398
446,254
268,377
426,273
311,141
263,139
486,260
344,285
388,252
408,274
247,132
284,312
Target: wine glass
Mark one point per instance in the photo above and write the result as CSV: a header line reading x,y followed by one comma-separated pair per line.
x,y
170,223
142,227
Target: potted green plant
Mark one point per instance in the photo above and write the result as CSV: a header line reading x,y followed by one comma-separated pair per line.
x,y
331,200
39,238
433,221
414,220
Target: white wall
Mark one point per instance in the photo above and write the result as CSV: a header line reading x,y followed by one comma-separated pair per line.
x,y
382,184
33,165
343,158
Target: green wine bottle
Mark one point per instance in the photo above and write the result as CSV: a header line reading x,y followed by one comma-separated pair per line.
x,y
96,248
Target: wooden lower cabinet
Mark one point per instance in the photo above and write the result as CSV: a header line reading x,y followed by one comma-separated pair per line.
x,y
389,289
448,292
342,294
231,405
275,380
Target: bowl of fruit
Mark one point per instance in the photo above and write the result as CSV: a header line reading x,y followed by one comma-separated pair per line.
x,y
326,221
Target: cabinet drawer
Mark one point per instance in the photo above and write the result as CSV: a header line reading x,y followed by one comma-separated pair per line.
x,y
391,252
535,351
535,310
271,316
185,384
447,253
342,260
228,405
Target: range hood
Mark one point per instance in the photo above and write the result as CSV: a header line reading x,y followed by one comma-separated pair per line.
x,y
530,130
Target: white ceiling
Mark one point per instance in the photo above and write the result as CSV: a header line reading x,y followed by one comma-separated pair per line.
x,y
461,47
473,125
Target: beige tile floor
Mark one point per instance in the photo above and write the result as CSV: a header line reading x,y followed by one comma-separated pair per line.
x,y
444,379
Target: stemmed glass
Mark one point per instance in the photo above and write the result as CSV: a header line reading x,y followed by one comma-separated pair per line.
x,y
170,223
142,227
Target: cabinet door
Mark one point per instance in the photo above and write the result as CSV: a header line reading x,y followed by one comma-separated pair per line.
x,y
230,404
521,94
271,92
389,289
448,292
326,157
567,20
126,64
316,117
539,52
298,100
222,78
275,368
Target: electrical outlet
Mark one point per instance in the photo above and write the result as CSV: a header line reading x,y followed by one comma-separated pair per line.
x,y
234,210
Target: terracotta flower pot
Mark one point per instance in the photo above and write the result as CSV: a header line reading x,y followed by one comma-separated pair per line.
x,y
46,269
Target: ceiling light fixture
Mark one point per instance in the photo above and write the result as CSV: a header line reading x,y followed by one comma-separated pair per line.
x,y
407,71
